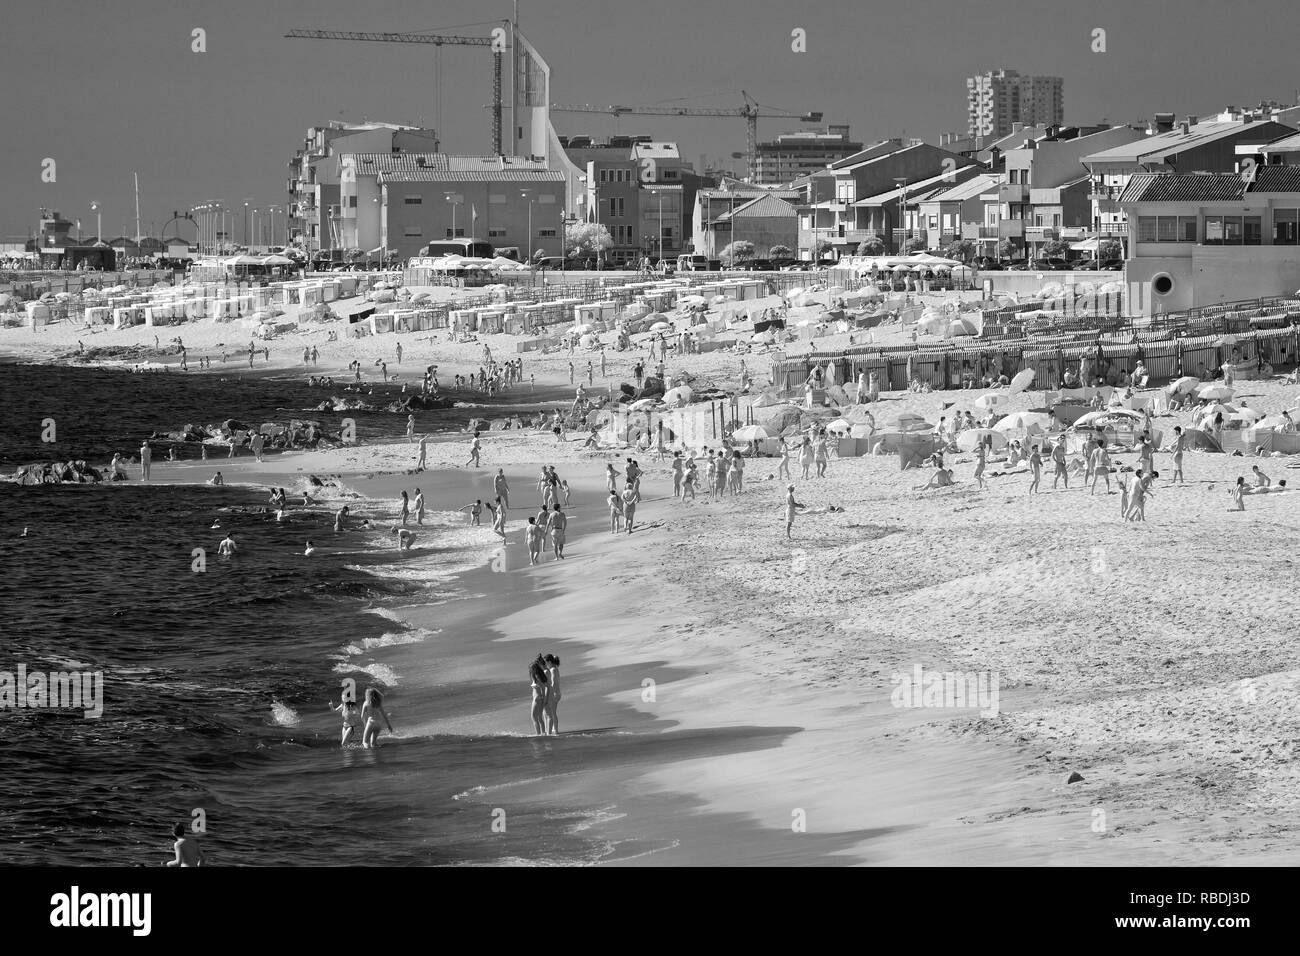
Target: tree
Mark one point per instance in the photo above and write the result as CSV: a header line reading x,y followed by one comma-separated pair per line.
x,y
586,240
1110,249
963,250
738,251
1006,249
823,246
780,252
871,246
1056,249
915,244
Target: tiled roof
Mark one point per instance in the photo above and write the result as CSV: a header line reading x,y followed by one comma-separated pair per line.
x,y
1277,179
1287,144
766,206
472,176
1152,149
967,190
391,162
1183,187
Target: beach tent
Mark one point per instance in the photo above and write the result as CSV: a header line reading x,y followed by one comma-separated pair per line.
x,y
840,425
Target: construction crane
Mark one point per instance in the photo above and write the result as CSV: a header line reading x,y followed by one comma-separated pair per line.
x,y
751,111
498,43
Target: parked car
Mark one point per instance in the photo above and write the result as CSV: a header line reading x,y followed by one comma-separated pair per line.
x,y
759,265
1019,265
987,264
715,265
1084,265
691,263
1113,265
795,267
552,263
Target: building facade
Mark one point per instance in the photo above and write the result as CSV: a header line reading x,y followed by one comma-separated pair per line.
x,y
792,155
998,98
1200,239
513,203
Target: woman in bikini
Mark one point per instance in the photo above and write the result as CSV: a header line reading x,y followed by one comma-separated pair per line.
x,y
538,682
552,693
371,711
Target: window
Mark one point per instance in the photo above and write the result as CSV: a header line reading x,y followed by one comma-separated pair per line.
x,y
668,232
670,174
1286,227
352,202
497,199
412,232
459,232
411,199
603,177
617,208
496,233
546,233
1252,231
934,222
1166,229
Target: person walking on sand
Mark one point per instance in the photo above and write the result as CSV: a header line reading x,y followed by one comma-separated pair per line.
x,y
537,680
404,508
552,694
420,462
689,479
501,487
820,454
1137,509
783,470
146,458
558,525
629,506
791,505
399,353
1238,493
1179,445
981,458
615,512
371,711
534,536
806,456
419,506
474,450
1035,469
1100,465
677,468
1058,460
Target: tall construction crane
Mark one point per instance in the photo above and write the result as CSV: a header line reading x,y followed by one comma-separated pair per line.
x,y
751,111
499,43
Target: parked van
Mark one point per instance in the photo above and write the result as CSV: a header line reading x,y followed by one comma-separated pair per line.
x,y
692,263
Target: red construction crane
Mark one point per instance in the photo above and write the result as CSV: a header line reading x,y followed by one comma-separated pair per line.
x,y
751,111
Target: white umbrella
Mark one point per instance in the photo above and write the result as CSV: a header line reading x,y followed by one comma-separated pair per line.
x,y
900,268
1248,415
749,433
840,425
1184,384
582,328
971,437
642,404
1214,392
660,327
1022,421
990,401
1273,421
678,396
1022,380
1106,415
767,337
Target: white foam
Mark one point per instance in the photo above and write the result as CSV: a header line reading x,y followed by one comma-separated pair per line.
x,y
283,715
391,639
380,672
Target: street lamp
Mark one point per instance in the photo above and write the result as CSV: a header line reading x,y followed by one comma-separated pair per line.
x,y
99,229
245,223
658,195
455,201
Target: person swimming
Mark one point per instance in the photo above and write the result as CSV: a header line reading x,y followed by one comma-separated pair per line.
x,y
309,550
188,851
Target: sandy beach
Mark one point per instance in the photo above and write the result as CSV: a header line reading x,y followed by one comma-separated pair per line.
x,y
1149,658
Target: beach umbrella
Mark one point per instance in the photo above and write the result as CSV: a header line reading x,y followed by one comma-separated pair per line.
x,y
1184,384
956,327
1218,408
1022,380
1102,417
942,267
990,401
692,300
1214,391
643,404
588,341
1249,416
971,437
1226,340
861,431
749,433
961,271
900,269
661,327
768,400
581,328
1022,422
1273,421
764,337
840,425
678,396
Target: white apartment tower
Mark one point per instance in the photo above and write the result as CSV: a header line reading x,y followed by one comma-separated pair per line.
x,y
997,99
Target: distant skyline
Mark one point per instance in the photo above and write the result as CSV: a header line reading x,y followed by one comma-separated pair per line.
x,y
110,90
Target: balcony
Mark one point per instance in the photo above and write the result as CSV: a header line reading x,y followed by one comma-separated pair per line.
x,y
1013,192
861,235
1105,193
1041,234
975,230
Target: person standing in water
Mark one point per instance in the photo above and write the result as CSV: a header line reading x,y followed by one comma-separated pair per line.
x,y
537,680
552,694
405,509
558,525
188,851
502,487
146,457
420,462
351,714
410,428
227,546
498,518
371,711
535,537
419,506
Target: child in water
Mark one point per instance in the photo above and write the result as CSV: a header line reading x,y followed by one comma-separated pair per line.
x,y
351,718
188,851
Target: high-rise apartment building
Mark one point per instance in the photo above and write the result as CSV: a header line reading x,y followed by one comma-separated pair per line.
x,y
793,155
997,99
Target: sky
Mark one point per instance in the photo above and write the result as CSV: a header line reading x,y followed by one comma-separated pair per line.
x,y
111,89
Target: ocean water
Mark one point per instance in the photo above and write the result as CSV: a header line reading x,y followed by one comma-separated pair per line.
x,y
216,681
